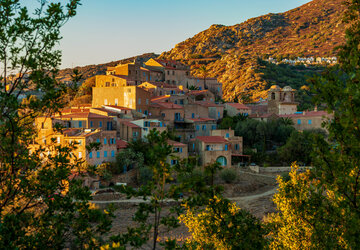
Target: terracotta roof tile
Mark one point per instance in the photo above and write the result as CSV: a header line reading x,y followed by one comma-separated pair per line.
x,y
212,139
175,143
120,144
130,124
308,114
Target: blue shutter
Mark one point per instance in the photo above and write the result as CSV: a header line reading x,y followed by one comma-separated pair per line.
x,y
100,124
91,124
226,147
104,141
112,153
80,124
105,154
97,140
98,154
90,155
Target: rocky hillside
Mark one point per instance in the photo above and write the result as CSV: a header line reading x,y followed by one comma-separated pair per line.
x,y
100,69
230,52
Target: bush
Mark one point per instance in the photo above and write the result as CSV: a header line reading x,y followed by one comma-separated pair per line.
x,y
145,175
228,175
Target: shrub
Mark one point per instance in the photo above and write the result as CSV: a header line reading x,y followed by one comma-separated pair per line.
x,y
228,175
145,175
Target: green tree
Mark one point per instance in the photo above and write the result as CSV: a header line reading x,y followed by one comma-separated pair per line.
x,y
40,206
223,225
328,201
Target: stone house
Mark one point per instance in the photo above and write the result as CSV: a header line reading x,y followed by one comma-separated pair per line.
x,y
166,111
234,109
147,125
308,119
211,149
215,111
131,97
180,152
129,131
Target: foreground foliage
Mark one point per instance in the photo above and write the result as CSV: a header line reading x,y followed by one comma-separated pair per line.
x,y
40,206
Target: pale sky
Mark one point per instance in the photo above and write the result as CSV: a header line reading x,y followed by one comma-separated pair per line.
x,y
110,30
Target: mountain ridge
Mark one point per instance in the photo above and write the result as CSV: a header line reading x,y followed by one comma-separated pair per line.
x,y
313,29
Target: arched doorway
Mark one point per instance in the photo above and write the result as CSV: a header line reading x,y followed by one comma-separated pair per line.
x,y
222,160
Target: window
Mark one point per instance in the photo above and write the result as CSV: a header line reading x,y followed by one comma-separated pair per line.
x,y
197,127
135,134
116,101
112,153
218,89
105,154
193,146
226,147
145,112
98,140
91,124
107,84
175,102
208,148
181,101
218,115
80,124
193,115
90,155
213,127
173,162
98,154
163,114
147,101
180,150
139,101
236,146
227,135
203,127
200,88
105,141
173,72
100,124
299,121
168,72
309,122
80,154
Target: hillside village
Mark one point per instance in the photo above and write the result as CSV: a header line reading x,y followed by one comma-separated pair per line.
x,y
134,98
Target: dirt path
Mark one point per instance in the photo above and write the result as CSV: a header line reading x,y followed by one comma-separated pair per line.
x,y
247,198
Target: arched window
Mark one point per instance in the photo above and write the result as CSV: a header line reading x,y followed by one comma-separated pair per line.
x,y
222,160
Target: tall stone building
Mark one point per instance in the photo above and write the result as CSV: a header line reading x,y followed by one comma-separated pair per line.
x,y
281,101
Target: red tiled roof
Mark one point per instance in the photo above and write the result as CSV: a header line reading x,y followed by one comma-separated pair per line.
x,y
81,115
238,105
160,98
117,107
175,143
267,115
121,144
211,139
308,114
130,124
167,105
201,119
